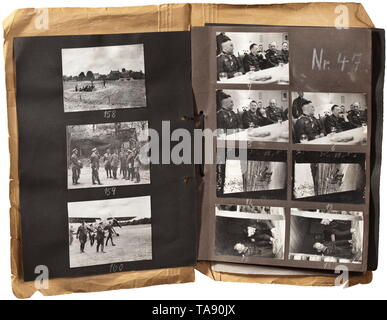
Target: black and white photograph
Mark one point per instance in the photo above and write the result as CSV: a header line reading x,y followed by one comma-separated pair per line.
x,y
103,78
250,231
107,154
252,57
252,115
326,236
329,176
330,118
263,175
110,231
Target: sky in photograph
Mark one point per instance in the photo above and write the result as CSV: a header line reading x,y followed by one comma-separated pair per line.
x,y
102,59
127,207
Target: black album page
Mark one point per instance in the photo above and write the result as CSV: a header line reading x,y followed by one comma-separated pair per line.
x,y
291,110
91,199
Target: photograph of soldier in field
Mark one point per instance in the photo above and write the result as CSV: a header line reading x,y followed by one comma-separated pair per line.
x,y
329,118
110,231
102,78
108,154
246,57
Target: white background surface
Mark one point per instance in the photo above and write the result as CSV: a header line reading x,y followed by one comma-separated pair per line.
x,y
203,288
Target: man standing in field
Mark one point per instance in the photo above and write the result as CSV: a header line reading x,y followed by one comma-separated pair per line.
x,y
100,237
94,162
107,160
75,166
115,163
82,236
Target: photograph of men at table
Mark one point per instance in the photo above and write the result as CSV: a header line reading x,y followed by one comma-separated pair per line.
x,y
252,57
246,115
329,118
318,236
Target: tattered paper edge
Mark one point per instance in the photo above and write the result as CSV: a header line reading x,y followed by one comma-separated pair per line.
x,y
161,18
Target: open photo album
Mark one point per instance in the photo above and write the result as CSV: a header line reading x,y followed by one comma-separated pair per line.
x,y
241,144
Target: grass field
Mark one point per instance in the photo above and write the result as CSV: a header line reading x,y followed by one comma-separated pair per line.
x,y
117,94
133,244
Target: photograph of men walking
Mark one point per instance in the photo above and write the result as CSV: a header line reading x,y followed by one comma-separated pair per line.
x,y
110,231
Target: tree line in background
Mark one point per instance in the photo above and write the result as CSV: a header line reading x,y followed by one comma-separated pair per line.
x,y
113,75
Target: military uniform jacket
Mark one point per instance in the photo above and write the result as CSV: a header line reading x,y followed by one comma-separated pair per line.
x,y
334,122
273,57
249,118
94,161
285,56
355,118
228,63
252,60
309,126
227,119
75,161
274,114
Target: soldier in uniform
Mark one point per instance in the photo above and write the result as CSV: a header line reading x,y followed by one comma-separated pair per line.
x,y
75,166
94,162
82,236
100,237
226,60
227,119
307,124
251,118
254,60
273,56
354,115
274,114
107,160
337,120
285,52
124,164
110,231
115,163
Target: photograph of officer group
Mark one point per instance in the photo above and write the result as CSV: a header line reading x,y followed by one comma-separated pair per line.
x,y
336,177
329,118
263,175
247,57
250,231
109,231
108,154
252,115
321,236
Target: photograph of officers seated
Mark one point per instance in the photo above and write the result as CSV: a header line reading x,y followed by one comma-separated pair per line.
x,y
250,231
109,231
320,236
244,115
246,57
329,118
108,154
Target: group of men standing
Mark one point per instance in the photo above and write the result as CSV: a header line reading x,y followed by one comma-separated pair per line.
x,y
95,234
128,161
257,58
309,127
254,117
